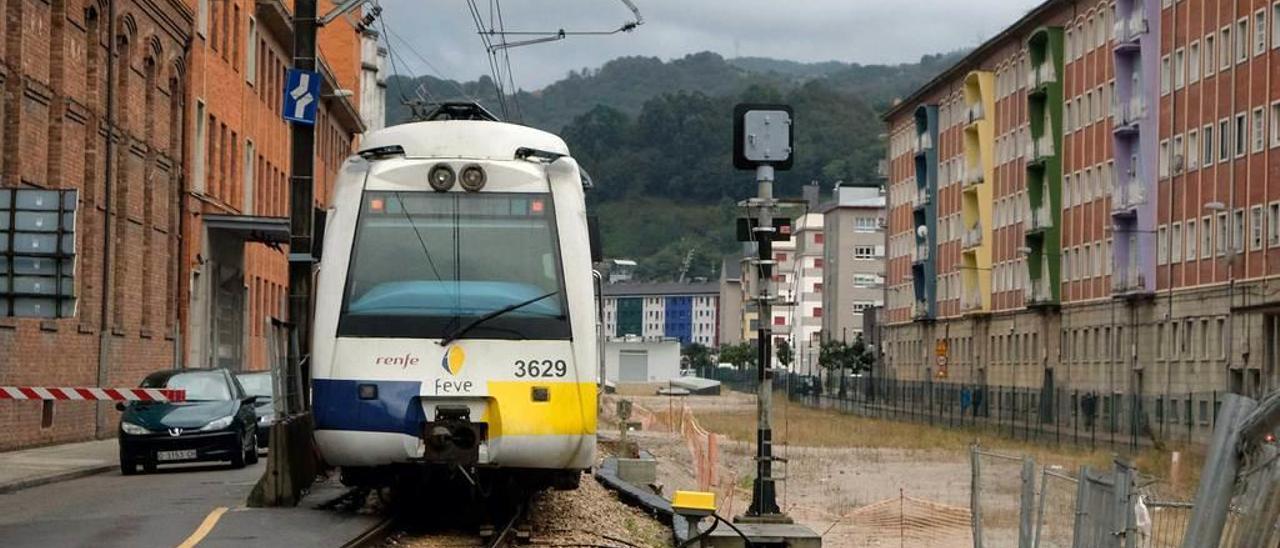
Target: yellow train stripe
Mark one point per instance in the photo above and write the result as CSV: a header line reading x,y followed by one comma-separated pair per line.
x,y
570,409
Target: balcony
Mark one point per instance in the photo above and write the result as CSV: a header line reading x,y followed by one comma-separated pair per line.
x,y
971,238
1043,74
923,142
922,198
975,114
1131,283
920,310
1042,147
1039,292
1126,115
971,300
1128,196
1127,30
973,176
1040,219
921,254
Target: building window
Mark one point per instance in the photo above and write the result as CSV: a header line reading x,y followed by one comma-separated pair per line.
x,y
1275,122
1206,159
1162,255
818,262
1206,237
1209,61
1179,68
1224,53
250,154
1237,230
817,287
863,252
1191,240
1164,75
779,320
1224,140
1193,150
197,172
1259,32
1259,131
817,311
1241,135
1175,246
1164,159
1193,62
1273,224
1275,25
1242,40
1221,244
817,238
1255,228
251,53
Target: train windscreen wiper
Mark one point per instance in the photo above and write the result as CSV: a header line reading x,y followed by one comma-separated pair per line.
x,y
458,333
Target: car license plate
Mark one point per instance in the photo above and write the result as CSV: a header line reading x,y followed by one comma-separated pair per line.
x,y
185,454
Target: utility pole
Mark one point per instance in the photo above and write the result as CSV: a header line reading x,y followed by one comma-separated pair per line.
x,y
301,190
764,493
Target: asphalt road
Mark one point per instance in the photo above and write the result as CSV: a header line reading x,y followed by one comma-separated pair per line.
x,y
158,509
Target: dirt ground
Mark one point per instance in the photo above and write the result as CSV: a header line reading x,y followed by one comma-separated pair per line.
x,y
858,482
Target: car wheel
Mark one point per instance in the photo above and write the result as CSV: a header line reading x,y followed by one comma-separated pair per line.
x,y
237,456
251,453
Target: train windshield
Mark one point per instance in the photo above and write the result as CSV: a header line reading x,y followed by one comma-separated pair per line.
x,y
425,263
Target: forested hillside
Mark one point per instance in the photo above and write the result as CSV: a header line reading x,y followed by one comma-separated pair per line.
x,y
655,137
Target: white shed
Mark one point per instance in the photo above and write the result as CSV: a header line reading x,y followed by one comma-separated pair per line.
x,y
641,361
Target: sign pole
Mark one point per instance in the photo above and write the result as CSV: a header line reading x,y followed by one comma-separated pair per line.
x,y
764,495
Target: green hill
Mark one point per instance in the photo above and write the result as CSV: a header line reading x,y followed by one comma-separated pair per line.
x,y
656,138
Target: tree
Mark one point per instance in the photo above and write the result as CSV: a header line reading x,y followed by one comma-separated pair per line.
x,y
785,354
740,355
698,356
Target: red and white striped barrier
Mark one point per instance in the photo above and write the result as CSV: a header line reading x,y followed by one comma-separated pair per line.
x,y
79,393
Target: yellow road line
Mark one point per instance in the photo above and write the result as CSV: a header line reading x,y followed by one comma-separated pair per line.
x,y
205,527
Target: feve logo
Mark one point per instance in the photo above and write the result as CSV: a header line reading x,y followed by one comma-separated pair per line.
x,y
453,360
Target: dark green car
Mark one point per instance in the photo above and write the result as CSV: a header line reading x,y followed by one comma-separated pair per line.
x,y
216,422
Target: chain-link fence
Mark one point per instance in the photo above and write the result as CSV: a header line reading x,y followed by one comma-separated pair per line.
x,y
1083,418
998,486
1055,509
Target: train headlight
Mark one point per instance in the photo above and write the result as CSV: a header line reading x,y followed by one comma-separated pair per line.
x,y
473,178
441,177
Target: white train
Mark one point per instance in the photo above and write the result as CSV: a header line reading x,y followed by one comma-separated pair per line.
x,y
455,321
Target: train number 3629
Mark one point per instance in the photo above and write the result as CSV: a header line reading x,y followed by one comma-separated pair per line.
x,y
541,368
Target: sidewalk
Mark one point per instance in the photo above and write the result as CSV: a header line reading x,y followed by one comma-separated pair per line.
x,y
31,467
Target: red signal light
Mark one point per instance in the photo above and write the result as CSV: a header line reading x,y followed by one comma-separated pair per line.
x,y
536,206
377,205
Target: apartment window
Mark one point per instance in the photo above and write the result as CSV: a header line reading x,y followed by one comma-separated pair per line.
x,y
1273,224
1237,230
250,154
1259,32
1259,129
202,17
1206,159
1241,135
1224,53
1275,122
1209,60
251,53
817,263
1191,240
817,312
1175,246
1242,39
202,131
1162,256
1221,244
1179,68
1206,237
1177,155
864,252
1164,74
1255,228
1224,140
1193,62
1164,159
1193,149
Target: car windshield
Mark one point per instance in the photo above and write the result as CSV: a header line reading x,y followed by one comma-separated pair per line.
x,y
425,263
256,384
200,385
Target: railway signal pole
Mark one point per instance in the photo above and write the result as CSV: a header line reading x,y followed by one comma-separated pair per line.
x,y
762,142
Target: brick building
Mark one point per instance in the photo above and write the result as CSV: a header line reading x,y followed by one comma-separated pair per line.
x,y
1133,224
189,94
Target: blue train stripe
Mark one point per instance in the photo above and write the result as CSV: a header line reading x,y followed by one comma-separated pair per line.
x,y
336,405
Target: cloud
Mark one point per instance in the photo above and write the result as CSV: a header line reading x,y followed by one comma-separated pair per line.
x,y
862,31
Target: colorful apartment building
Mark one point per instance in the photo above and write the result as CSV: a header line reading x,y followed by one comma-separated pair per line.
x,y
1089,200
688,312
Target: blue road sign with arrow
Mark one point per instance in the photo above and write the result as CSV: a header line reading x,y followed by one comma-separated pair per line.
x,y
301,96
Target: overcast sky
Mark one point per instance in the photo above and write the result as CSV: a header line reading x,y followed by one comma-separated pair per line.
x,y
862,31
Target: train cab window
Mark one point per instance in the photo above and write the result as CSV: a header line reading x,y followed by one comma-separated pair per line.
x,y
425,263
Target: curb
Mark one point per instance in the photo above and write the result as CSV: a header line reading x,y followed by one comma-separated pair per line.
x,y
372,536
55,478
